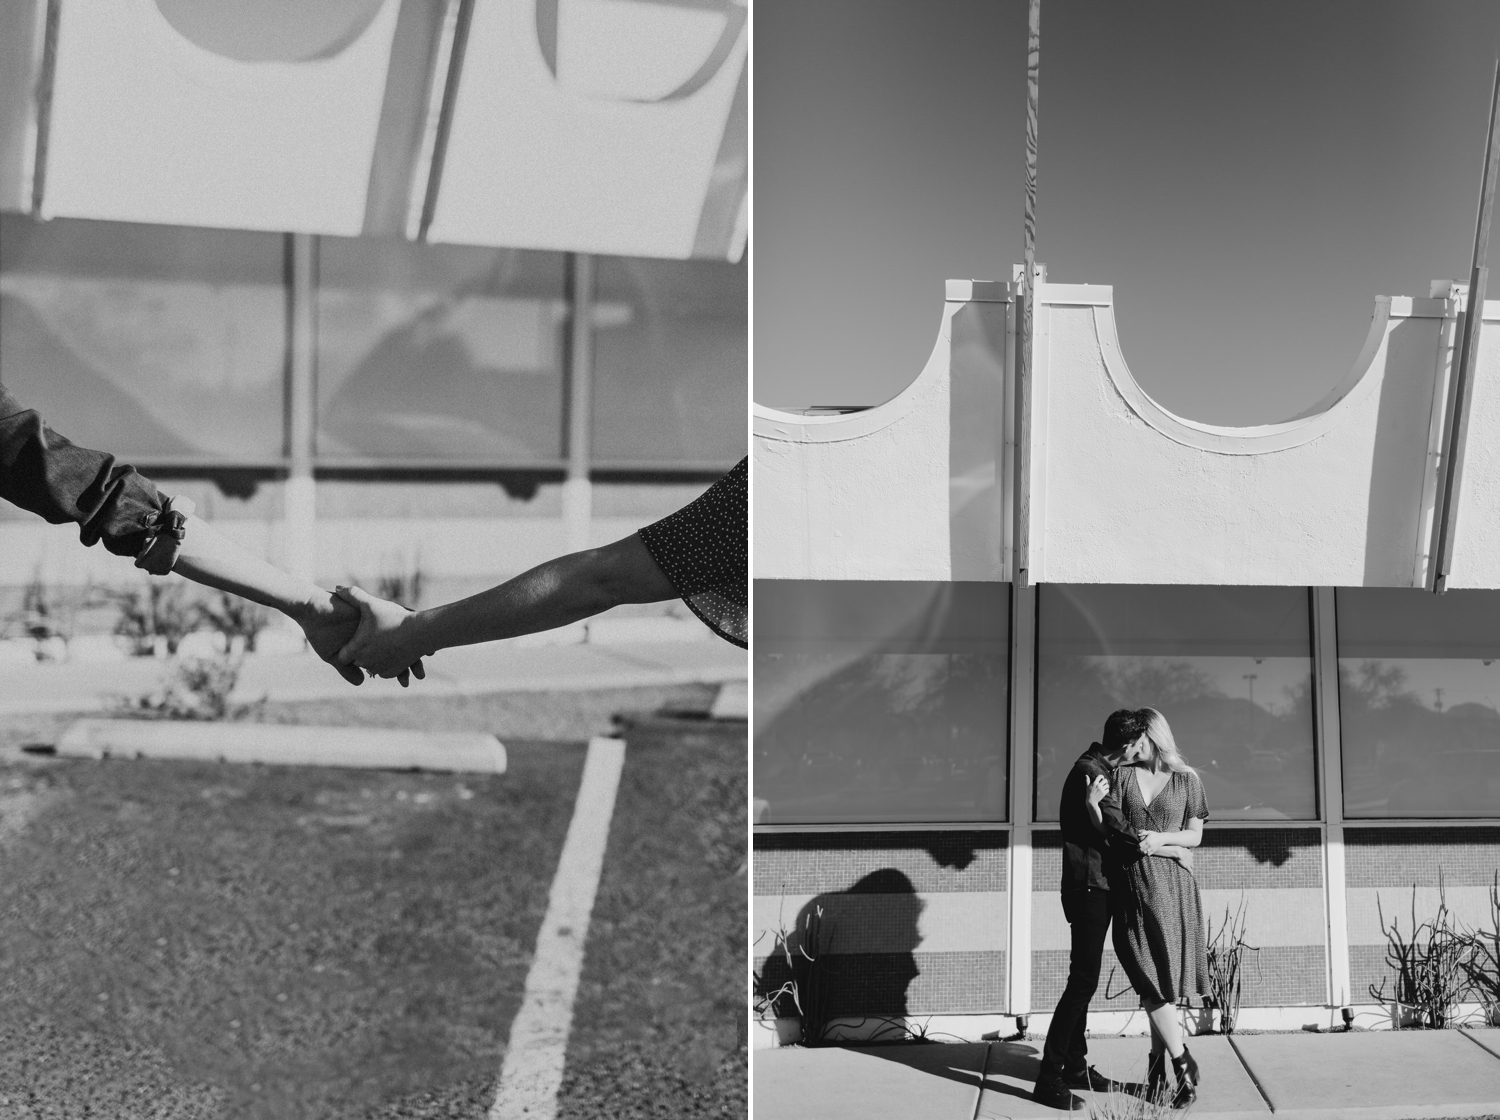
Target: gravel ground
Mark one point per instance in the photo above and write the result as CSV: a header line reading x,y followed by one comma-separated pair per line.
x,y
204,940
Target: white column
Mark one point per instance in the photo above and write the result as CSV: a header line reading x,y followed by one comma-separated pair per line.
x,y
1331,791
577,494
1022,739
299,528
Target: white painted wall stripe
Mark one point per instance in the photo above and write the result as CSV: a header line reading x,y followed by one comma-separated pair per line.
x,y
532,1071
949,921
1467,904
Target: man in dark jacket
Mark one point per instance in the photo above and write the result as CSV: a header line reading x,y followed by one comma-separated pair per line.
x,y
1090,857
113,503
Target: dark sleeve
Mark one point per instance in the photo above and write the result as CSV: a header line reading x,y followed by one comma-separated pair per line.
x,y
1117,826
704,550
42,472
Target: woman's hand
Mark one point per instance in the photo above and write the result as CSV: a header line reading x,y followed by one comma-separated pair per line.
x,y
1150,842
383,642
1098,790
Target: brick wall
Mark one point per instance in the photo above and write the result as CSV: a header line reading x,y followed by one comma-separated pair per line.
x,y
911,923
1277,872
1393,875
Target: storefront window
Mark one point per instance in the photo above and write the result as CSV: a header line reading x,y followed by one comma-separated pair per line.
x,y
880,701
1419,702
671,349
157,343
1230,668
439,353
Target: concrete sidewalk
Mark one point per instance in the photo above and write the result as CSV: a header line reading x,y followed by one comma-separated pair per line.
x,y
517,666
1375,1075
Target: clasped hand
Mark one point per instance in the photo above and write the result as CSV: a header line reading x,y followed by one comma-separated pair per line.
x,y
381,644
335,623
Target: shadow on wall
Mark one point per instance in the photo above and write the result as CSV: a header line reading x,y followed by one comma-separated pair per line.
x,y
848,954
1396,480
976,439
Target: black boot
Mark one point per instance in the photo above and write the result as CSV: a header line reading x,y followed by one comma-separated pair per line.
x,y
1186,1070
1156,1076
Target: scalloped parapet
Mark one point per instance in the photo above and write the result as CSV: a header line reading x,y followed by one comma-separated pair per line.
x,y
148,126
1122,490
910,489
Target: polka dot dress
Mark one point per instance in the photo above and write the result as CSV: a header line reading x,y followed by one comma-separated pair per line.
x,y
704,548
1158,918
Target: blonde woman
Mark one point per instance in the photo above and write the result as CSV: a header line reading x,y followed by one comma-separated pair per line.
x,y
1158,920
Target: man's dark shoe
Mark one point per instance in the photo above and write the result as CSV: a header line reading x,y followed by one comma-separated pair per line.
x,y
1091,1078
1051,1092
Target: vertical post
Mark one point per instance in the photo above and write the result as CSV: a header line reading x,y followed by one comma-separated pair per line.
x,y
1022,738
454,40
1331,790
1022,505
41,119
299,532
577,496
1468,354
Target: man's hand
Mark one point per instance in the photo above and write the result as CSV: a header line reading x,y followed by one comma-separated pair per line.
x,y
1183,856
382,642
1151,842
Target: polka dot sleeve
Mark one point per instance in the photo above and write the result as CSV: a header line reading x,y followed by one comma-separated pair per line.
x,y
704,549
1197,804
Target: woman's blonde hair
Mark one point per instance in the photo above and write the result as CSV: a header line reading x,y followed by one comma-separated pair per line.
x,y
1164,750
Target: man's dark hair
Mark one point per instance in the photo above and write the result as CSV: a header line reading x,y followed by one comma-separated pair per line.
x,y
1121,729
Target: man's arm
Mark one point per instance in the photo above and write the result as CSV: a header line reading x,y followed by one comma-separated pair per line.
x,y
50,476
209,558
1105,811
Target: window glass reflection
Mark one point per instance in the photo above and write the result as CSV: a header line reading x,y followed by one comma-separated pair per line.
x,y
1230,667
880,701
1419,702
154,342
671,350
439,352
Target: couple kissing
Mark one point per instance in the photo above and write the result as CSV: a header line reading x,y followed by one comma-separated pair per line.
x,y
1132,812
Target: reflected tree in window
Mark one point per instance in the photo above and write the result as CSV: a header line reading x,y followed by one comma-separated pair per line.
x,y
1230,667
880,701
1419,701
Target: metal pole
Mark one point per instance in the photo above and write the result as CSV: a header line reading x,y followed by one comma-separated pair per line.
x,y
577,494
299,553
1022,503
1468,355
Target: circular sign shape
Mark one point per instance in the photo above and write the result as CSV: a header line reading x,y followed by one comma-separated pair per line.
x,y
270,30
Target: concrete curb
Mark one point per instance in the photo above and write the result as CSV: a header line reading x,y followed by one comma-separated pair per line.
x,y
284,745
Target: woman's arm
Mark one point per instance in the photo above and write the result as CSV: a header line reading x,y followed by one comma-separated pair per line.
x,y
1189,837
553,594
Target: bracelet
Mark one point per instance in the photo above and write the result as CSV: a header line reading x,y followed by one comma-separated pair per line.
x,y
164,538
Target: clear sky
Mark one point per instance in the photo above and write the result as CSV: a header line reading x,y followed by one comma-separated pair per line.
x,y
1248,176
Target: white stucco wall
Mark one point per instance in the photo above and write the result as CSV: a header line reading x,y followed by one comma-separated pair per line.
x,y
886,493
1123,491
1476,546
1335,497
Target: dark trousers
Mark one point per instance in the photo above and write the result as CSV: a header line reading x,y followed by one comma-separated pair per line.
x,y
1066,1050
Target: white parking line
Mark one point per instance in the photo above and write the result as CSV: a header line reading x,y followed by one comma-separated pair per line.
x,y
532,1072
